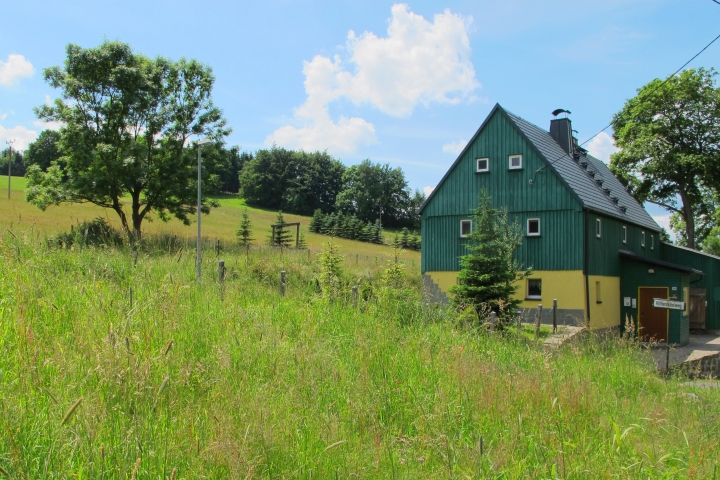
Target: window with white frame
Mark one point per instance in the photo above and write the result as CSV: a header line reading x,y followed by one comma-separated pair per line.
x,y
534,289
483,165
652,242
624,234
533,227
515,162
465,228
598,228
642,239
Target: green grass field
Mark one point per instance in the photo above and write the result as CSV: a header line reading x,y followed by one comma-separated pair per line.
x,y
220,224
235,381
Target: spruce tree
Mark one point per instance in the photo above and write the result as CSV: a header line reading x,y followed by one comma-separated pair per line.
x,y
283,237
377,233
405,238
302,243
244,232
316,221
489,271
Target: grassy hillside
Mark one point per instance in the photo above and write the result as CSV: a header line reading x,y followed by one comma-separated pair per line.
x,y
235,381
220,224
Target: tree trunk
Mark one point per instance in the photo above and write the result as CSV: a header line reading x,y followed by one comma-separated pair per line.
x,y
687,210
137,217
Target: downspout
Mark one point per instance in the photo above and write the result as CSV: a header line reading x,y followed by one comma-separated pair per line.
x,y
586,265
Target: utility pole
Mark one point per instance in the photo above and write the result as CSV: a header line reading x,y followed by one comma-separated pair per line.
x,y
10,159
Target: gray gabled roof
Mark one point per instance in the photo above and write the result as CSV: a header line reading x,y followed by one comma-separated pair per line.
x,y
582,177
573,174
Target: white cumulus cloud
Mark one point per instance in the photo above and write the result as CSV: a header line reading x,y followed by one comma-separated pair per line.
x,y
602,146
428,190
14,68
417,63
454,147
22,136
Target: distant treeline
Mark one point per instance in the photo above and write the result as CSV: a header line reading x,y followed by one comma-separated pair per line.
x,y
352,228
292,181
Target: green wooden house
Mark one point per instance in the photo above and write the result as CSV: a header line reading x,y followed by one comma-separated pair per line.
x,y
592,246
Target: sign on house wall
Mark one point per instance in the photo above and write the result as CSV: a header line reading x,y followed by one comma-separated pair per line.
x,y
672,305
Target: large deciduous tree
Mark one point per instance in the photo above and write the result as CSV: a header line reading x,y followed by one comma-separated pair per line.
x,y
127,122
374,191
43,151
670,140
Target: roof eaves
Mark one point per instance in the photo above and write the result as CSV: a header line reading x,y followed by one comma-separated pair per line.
x,y
650,261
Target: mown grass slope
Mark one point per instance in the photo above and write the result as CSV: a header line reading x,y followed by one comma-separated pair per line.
x,y
235,381
220,224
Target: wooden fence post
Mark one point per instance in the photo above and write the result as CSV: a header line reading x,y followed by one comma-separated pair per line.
x,y
355,295
554,315
131,298
217,248
517,319
537,322
282,283
221,271
493,319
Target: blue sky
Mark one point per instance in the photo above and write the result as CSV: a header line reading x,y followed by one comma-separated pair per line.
x,y
405,84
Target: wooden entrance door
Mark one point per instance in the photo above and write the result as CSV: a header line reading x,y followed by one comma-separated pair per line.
x,y
698,298
653,320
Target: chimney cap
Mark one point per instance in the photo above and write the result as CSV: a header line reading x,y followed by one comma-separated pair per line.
x,y
558,111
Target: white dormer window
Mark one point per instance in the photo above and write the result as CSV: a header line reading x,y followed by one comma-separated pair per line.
x,y
465,228
533,227
483,165
515,162
624,234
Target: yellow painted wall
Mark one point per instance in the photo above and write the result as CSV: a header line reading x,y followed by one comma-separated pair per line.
x,y
607,313
444,280
568,286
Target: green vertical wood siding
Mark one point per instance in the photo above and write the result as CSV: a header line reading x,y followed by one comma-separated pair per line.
x,y
560,245
603,258
710,266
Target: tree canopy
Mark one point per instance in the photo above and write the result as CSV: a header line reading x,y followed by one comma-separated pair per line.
x,y
670,140
43,151
296,182
128,121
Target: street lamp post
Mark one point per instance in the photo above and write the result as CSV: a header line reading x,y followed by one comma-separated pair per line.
x,y
200,144
10,143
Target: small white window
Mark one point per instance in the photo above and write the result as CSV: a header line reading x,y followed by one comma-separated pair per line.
x,y
483,164
534,288
515,162
465,227
598,228
642,239
624,234
652,242
533,227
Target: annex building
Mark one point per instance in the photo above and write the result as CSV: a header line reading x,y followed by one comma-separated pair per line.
x,y
592,246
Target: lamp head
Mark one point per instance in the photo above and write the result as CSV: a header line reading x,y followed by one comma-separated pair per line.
x,y
204,141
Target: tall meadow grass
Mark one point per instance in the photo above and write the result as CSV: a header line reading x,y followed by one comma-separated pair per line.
x,y
234,380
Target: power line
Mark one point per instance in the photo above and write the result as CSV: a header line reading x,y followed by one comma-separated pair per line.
x,y
644,96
